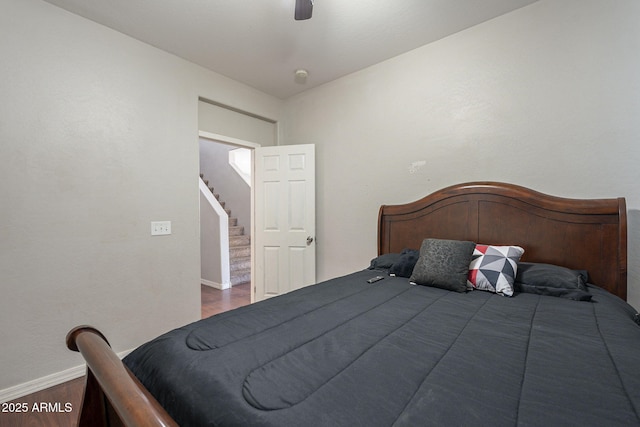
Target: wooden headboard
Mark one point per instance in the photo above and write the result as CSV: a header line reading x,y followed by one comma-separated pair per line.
x,y
588,234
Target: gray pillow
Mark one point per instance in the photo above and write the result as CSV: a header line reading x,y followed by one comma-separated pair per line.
x,y
405,265
384,261
549,275
553,280
443,264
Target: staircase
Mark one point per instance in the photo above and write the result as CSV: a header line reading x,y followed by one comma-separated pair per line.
x,y
239,246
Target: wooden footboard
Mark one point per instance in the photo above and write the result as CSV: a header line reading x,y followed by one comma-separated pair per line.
x,y
113,396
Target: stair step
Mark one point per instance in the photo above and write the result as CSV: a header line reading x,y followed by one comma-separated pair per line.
x,y
236,230
240,276
243,263
242,240
239,251
233,221
228,211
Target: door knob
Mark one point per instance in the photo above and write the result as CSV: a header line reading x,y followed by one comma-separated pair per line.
x,y
309,240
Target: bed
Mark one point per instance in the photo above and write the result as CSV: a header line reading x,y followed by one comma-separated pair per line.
x,y
558,350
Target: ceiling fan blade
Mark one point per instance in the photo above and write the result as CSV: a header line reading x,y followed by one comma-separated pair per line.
x,y
304,8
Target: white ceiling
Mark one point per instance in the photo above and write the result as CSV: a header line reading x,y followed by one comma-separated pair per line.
x,y
258,42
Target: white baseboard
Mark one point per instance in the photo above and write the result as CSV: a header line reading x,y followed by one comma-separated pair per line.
x,y
215,284
39,384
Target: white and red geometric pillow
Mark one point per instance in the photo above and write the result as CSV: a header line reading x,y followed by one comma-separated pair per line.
x,y
493,268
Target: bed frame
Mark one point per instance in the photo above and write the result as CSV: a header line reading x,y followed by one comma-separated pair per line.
x,y
580,234
575,233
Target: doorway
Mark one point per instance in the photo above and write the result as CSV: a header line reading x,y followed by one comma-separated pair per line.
x,y
226,253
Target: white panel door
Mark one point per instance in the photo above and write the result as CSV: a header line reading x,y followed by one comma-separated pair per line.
x,y
285,223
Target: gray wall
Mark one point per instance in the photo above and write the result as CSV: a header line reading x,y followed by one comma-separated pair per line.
x,y
237,124
98,137
547,96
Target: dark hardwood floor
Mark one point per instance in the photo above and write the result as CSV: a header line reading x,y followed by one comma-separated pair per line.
x,y
59,406
215,301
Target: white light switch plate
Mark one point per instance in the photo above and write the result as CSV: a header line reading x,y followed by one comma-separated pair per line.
x,y
160,228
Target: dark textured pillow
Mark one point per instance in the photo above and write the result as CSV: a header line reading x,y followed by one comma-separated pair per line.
x,y
443,264
384,261
551,276
404,266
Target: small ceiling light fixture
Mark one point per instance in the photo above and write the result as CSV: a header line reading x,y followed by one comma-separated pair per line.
x,y
301,76
304,9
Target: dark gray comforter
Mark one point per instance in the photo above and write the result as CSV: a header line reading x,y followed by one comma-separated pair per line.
x,y
348,353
